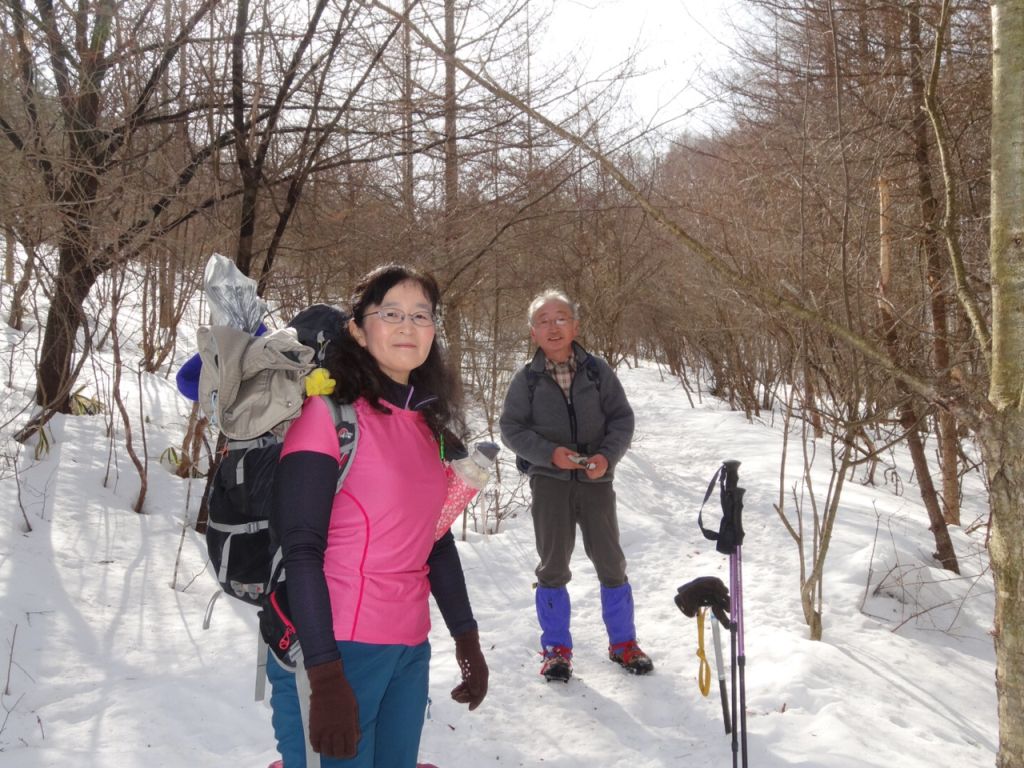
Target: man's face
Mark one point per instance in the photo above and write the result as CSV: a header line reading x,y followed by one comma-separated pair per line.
x,y
553,328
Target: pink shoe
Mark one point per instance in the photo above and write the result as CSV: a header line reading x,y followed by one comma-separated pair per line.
x,y
276,764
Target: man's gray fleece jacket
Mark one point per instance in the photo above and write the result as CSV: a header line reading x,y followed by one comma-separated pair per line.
x,y
596,418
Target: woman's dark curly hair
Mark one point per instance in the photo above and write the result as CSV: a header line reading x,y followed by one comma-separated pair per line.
x,y
358,375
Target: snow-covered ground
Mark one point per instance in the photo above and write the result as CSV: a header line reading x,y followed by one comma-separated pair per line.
x,y
106,665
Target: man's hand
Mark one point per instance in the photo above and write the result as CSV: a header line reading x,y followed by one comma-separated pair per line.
x,y
597,465
560,458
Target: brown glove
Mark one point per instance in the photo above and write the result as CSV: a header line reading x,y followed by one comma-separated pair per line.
x,y
333,711
473,687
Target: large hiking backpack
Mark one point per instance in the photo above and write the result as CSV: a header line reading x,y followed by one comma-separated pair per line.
x,y
244,551
243,548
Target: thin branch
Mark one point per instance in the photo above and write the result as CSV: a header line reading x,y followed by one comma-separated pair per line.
x,y
10,662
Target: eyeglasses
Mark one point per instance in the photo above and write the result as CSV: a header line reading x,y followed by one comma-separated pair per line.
x,y
397,316
549,321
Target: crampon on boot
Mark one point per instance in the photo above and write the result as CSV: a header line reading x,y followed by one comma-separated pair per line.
x,y
629,656
557,663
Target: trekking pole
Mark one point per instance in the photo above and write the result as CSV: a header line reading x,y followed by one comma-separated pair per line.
x,y
743,657
729,540
739,735
732,507
722,692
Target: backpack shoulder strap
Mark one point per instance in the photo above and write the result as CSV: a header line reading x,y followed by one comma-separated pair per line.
x,y
592,371
532,377
347,427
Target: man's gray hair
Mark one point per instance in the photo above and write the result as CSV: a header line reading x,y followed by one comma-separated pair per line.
x,y
551,295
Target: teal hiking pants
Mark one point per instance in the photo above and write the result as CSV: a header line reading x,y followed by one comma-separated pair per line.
x,y
390,684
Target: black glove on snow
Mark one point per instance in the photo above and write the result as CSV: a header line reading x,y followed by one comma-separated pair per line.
x,y
704,590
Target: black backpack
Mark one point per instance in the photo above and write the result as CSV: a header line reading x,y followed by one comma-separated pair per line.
x,y
244,550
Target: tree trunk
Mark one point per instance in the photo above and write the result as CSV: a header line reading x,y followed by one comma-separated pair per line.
x,y
1002,432
451,186
126,421
16,316
949,447
9,241
451,156
944,553
949,453
408,169
75,278
248,170
908,413
1002,444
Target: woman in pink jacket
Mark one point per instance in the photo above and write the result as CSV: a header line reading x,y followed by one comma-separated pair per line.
x,y
361,564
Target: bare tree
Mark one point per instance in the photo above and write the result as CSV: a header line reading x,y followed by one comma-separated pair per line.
x,y
73,143
1001,418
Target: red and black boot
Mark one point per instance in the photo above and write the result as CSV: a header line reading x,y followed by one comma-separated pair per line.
x,y
557,663
629,656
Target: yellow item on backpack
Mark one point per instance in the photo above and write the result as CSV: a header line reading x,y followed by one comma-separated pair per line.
x,y
319,382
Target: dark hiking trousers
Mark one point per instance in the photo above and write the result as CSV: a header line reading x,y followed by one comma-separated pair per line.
x,y
558,507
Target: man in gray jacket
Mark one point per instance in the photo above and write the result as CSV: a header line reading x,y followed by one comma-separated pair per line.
x,y
567,419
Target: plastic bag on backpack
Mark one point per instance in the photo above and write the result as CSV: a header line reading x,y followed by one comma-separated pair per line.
x,y
232,295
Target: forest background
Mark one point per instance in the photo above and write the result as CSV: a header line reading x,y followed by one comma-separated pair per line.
x,y
836,234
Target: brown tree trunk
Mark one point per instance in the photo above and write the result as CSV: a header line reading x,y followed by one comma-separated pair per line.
x,y
75,278
247,169
949,457
408,178
945,553
451,184
949,444
9,241
192,442
16,316
129,441
908,415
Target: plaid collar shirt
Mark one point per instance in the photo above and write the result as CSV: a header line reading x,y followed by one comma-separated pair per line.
x,y
562,372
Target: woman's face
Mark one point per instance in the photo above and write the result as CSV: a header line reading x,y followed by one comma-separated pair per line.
x,y
397,332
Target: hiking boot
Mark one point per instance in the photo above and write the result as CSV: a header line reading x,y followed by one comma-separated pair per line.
x,y
557,663
629,656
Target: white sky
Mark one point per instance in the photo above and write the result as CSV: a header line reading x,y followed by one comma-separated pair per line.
x,y
674,40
